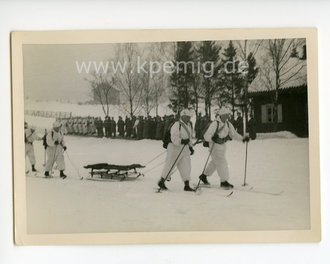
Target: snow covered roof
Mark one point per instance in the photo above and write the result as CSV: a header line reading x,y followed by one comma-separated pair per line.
x,y
293,74
258,85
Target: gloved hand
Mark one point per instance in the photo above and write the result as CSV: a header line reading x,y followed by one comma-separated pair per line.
x,y
64,147
246,139
185,141
56,142
192,151
215,137
206,144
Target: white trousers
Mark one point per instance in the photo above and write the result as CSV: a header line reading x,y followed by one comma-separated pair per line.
x,y
183,163
29,151
55,155
218,162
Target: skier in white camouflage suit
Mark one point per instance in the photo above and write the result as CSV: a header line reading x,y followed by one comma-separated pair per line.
x,y
181,137
218,133
29,137
55,150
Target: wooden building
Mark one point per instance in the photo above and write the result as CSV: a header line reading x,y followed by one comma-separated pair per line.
x,y
292,110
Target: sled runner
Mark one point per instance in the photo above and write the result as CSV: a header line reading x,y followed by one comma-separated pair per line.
x,y
115,172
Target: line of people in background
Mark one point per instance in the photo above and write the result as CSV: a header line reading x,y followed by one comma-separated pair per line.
x,y
140,127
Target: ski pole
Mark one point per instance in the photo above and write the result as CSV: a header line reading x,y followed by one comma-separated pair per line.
x,y
173,165
44,158
54,159
45,147
207,160
73,165
246,152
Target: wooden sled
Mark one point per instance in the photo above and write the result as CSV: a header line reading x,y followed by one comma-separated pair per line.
x,y
115,172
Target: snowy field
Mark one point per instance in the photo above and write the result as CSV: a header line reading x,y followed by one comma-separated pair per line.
x,y
74,205
85,110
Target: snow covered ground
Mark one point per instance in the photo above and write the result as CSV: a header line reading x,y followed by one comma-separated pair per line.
x,y
85,110
73,205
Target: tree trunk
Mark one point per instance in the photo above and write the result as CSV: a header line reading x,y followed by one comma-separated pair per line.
x,y
275,114
156,103
196,103
206,106
232,97
246,104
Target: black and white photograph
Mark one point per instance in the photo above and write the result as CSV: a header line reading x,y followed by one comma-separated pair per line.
x,y
194,134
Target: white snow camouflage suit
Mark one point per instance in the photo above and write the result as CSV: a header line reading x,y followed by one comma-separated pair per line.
x,y
218,153
55,152
30,136
179,131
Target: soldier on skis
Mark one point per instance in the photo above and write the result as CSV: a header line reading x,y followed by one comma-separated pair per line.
x,y
55,150
218,133
29,137
179,150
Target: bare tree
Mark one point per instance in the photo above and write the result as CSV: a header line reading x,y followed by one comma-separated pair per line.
x,y
155,80
160,83
127,79
147,94
247,51
286,66
102,87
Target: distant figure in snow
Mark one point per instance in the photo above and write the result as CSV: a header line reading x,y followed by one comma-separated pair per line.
x,y
113,127
99,127
29,137
218,133
198,126
129,127
179,151
252,128
55,150
107,126
139,124
239,124
121,126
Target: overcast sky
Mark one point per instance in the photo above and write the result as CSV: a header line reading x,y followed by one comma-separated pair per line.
x,y
50,71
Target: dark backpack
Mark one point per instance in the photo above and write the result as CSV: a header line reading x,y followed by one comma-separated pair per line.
x,y
167,135
205,143
44,141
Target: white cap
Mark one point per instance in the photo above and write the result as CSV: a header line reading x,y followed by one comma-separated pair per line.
x,y
57,124
186,112
223,111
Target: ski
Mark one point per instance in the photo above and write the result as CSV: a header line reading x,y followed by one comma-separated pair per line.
x,y
37,174
260,191
159,190
203,186
198,190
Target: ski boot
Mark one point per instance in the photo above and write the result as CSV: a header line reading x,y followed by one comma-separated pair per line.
x,y
226,185
47,174
34,169
161,184
62,175
203,178
187,187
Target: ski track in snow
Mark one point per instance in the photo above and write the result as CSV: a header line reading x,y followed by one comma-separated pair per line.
x,y
73,205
